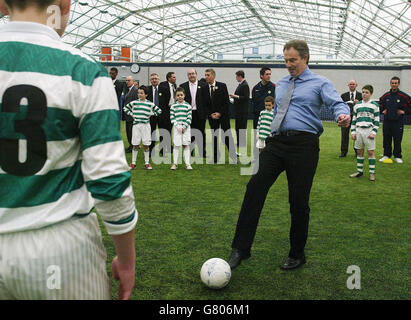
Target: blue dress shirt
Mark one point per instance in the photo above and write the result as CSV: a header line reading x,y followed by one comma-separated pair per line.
x,y
311,92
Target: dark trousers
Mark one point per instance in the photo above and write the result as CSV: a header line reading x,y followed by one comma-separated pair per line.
x,y
393,130
165,123
154,123
129,131
241,123
298,157
199,124
224,124
255,120
345,139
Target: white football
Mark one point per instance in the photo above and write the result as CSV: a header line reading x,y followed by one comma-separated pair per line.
x,y
215,273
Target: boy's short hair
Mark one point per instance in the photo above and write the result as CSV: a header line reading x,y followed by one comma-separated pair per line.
x,y
144,88
180,89
269,99
395,78
114,69
23,4
369,88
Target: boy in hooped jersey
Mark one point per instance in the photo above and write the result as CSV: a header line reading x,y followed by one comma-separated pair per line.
x,y
264,122
364,126
181,116
60,114
141,110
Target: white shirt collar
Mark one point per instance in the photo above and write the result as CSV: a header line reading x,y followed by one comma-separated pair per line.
x,y
30,27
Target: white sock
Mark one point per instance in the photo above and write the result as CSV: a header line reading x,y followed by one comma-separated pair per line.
x,y
134,156
176,151
187,155
146,156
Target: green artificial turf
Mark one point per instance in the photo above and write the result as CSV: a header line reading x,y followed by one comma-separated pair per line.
x,y
187,217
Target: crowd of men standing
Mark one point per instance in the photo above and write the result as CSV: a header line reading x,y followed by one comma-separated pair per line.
x,y
210,101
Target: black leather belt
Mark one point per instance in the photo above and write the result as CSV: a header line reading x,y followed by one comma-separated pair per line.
x,y
290,133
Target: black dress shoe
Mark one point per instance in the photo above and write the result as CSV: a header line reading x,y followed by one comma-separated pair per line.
x,y
129,149
342,155
292,263
236,257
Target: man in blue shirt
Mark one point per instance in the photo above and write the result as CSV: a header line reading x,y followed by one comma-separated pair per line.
x,y
293,147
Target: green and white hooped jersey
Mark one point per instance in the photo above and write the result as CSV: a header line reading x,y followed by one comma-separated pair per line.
x,y
181,114
366,115
61,152
264,124
141,111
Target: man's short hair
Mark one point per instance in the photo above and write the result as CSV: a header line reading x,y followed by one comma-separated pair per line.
x,y
263,70
269,99
369,88
144,88
153,74
301,46
240,73
23,4
169,74
114,69
179,89
212,71
395,78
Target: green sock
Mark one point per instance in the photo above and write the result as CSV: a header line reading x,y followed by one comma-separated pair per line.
x,y
371,164
360,164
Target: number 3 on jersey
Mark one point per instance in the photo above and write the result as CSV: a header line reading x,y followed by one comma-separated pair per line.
x,y
29,127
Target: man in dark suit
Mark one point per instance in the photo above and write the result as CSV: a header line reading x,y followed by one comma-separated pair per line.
x,y
118,86
219,116
351,98
241,98
153,96
167,97
196,89
131,95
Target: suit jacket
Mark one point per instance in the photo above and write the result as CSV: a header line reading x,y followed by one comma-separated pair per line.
x,y
200,98
131,95
241,104
220,101
164,96
118,86
346,97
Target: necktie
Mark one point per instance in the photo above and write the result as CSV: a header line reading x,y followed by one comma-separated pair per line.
x,y
212,91
174,93
155,96
283,107
352,96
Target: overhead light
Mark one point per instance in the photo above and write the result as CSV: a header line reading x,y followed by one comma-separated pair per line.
x,y
83,3
136,23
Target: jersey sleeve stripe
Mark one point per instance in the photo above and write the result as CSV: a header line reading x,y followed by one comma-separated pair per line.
x,y
109,188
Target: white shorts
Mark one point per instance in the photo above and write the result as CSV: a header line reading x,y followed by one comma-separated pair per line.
x,y
141,133
260,144
181,138
65,261
363,140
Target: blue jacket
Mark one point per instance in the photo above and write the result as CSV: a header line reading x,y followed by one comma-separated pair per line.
x,y
392,101
259,93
